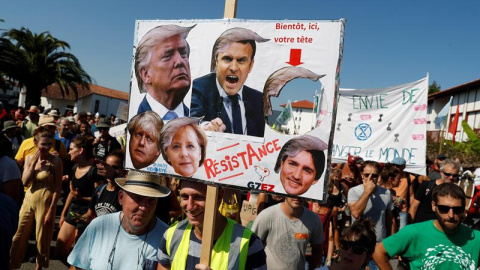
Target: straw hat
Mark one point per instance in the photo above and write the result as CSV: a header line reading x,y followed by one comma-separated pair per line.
x,y
53,113
143,184
46,120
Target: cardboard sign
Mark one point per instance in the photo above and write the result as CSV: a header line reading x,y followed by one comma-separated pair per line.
x,y
122,111
199,57
248,212
381,124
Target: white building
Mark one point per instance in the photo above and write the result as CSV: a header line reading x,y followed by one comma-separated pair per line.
x,y
95,99
467,98
303,117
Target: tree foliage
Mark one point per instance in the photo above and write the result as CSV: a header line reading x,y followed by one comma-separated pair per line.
x,y
434,88
36,61
468,151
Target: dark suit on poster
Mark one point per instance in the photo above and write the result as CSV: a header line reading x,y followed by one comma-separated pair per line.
x,y
207,102
144,106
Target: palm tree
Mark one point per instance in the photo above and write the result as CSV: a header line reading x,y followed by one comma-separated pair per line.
x,y
36,61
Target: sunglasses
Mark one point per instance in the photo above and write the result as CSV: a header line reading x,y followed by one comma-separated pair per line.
x,y
443,209
451,174
356,248
373,175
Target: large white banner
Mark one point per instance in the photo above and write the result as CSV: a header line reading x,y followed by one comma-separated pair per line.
x,y
212,67
381,124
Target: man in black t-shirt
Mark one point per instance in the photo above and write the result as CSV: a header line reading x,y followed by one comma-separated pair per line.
x,y
105,143
421,208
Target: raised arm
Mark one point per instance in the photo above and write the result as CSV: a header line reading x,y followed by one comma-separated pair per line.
x,y
29,168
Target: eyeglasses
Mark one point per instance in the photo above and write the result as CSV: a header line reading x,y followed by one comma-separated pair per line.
x,y
373,175
443,209
357,248
450,174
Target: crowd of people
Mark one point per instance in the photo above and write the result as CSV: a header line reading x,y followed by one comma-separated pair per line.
x,y
114,219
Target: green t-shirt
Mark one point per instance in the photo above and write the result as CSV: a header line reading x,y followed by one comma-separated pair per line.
x,y
428,248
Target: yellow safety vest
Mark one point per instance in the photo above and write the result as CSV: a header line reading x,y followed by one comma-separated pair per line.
x,y
230,250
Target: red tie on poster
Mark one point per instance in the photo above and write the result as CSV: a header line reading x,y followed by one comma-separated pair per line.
x,y
453,127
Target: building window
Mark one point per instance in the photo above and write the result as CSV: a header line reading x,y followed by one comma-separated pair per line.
x,y
97,105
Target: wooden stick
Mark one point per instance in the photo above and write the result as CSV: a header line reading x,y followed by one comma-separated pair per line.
x,y
230,9
209,224
211,206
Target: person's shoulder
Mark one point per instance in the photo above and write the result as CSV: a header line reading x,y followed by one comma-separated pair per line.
x,y
269,212
161,226
382,190
310,215
272,209
356,189
251,91
474,235
200,81
104,222
7,161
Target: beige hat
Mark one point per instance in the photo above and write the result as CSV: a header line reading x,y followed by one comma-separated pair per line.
x,y
53,113
46,120
143,184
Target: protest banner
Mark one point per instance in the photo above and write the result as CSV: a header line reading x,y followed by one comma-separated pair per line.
x,y
381,124
285,51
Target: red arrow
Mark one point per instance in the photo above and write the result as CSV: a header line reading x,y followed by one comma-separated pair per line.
x,y
295,56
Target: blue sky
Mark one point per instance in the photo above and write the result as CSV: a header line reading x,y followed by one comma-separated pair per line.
x,y
386,42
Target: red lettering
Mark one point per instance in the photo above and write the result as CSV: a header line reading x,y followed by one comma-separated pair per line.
x,y
251,154
270,149
235,162
270,188
215,167
275,145
223,163
242,155
264,187
208,168
262,151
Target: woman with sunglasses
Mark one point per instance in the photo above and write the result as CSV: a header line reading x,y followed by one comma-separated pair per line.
x,y
356,246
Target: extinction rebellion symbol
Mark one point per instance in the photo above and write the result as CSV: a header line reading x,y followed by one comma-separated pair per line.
x,y
363,131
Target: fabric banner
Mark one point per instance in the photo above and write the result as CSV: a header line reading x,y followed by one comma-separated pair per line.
x,y
381,124
204,69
